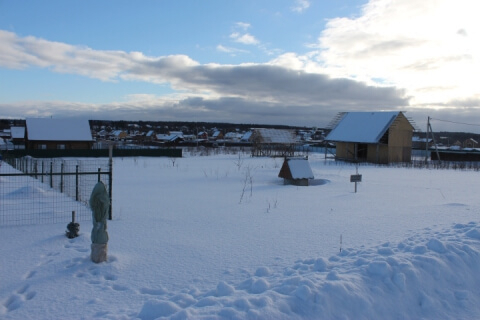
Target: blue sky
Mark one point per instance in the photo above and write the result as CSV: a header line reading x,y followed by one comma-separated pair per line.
x,y
293,62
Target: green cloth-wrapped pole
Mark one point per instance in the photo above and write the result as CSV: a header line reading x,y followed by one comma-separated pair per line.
x,y
99,203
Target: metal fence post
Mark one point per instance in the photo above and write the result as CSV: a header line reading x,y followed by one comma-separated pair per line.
x,y
76,183
61,177
35,169
110,179
51,174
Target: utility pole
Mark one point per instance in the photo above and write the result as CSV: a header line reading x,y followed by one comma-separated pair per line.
x,y
429,129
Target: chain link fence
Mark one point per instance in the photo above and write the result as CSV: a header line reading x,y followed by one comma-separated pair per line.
x,y
40,191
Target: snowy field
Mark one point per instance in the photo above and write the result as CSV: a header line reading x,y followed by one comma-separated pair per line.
x,y
221,237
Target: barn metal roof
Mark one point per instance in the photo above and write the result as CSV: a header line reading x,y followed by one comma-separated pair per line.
x,y
362,127
275,136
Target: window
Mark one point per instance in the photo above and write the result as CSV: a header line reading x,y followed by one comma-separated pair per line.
x,y
42,146
61,146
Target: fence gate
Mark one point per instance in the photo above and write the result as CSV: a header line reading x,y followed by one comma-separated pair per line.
x,y
40,191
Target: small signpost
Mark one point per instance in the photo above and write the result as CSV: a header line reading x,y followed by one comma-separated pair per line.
x,y
356,178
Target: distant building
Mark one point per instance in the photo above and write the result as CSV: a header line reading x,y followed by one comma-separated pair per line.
x,y
217,135
421,143
118,135
170,139
247,136
203,135
18,137
46,133
273,142
470,143
377,137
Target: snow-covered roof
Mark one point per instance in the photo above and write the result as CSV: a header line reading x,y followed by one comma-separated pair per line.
x,y
300,169
247,136
168,137
47,129
418,139
177,133
363,127
117,133
275,136
17,132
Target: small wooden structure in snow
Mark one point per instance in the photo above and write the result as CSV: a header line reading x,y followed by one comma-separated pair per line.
x,y
296,171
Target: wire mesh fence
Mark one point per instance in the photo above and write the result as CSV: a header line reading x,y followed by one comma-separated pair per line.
x,y
39,191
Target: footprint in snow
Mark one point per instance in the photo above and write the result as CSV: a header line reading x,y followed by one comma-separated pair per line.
x,y
17,299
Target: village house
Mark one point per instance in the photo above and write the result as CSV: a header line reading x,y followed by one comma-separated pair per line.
x,y
18,137
470,143
217,135
47,133
203,135
118,135
173,138
421,143
376,137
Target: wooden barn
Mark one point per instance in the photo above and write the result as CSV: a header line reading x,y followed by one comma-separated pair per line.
x,y
273,142
47,133
296,171
376,137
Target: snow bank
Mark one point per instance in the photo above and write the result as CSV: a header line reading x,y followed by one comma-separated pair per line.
x,y
386,282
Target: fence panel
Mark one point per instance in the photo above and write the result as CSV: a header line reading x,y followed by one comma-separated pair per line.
x,y
38,191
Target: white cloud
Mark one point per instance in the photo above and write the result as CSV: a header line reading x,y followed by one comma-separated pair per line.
x,y
230,50
243,25
301,5
245,38
429,47
248,91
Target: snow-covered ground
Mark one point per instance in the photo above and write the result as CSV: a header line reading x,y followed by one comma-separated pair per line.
x,y
222,237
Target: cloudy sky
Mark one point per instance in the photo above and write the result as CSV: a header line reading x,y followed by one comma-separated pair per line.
x,y
292,62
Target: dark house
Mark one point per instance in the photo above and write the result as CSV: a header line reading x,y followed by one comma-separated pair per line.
x,y
46,133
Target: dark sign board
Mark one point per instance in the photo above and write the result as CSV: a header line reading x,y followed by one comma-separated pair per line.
x,y
356,178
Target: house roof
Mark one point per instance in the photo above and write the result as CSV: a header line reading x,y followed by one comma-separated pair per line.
x,y
296,168
247,136
363,127
168,137
17,132
275,136
47,129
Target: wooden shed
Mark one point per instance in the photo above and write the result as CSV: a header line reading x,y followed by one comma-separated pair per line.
x,y
376,137
296,171
47,133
